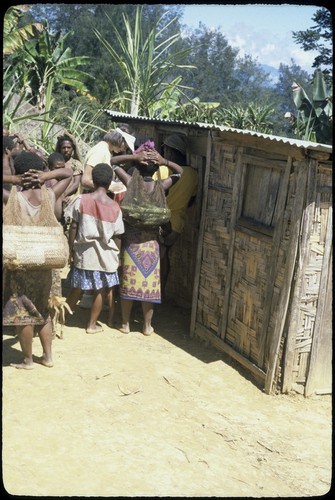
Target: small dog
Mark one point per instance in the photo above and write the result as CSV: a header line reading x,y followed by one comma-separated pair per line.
x,y
58,306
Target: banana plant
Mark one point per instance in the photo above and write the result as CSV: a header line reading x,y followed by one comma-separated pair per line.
x,y
13,37
45,63
38,67
315,115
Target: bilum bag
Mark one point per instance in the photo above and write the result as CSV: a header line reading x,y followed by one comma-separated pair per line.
x,y
142,209
33,242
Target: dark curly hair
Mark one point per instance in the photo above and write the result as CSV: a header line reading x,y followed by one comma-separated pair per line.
x,y
68,138
53,158
7,143
102,175
25,161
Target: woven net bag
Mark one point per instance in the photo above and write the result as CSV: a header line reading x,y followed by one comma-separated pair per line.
x,y
142,209
33,241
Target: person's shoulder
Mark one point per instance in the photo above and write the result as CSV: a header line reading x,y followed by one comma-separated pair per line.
x,y
113,204
75,165
95,147
73,162
86,196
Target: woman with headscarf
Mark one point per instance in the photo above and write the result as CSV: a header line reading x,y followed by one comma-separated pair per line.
x,y
140,259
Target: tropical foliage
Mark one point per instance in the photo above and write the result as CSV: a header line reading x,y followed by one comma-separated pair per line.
x,y
147,63
315,115
319,38
14,36
64,64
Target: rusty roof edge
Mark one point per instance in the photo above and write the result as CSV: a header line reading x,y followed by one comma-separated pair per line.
x,y
285,140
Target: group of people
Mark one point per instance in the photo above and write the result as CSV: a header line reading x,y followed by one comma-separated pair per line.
x,y
108,256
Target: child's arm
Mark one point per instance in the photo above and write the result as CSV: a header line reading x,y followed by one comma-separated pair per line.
x,y
35,178
72,235
117,240
122,174
73,187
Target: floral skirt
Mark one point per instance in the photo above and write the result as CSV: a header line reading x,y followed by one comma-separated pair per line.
x,y
91,280
140,270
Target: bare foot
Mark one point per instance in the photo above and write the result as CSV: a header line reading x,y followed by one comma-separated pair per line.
x,y
124,328
23,366
148,331
95,329
45,362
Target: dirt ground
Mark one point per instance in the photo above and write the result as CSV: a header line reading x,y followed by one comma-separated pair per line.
x,y
160,416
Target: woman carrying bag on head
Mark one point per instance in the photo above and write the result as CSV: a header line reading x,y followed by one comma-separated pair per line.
x,y
140,262
27,288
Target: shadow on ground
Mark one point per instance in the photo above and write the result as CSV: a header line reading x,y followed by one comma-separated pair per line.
x,y
170,322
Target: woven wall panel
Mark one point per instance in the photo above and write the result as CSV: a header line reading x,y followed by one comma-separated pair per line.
x,y
309,298
217,235
311,278
248,295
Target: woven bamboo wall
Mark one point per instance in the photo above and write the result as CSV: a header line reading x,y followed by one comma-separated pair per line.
x,y
260,189
216,238
315,237
248,297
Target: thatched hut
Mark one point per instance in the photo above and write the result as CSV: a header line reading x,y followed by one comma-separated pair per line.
x,y
254,263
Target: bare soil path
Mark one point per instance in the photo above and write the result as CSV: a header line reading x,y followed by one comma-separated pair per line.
x,y
128,415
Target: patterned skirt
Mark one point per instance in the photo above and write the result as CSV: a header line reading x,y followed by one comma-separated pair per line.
x,y
25,297
140,270
91,280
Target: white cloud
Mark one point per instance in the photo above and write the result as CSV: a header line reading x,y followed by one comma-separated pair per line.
x,y
268,48
263,31
265,46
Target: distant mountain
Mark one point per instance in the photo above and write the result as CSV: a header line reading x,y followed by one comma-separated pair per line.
x,y
274,73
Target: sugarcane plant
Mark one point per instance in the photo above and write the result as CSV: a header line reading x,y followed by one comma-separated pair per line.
x,y
147,62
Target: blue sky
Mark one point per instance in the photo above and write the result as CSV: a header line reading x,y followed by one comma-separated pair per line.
x,y
260,30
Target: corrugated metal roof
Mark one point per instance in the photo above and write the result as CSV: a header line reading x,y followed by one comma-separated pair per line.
x,y
211,126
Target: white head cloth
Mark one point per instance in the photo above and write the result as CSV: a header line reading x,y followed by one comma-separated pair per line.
x,y
130,139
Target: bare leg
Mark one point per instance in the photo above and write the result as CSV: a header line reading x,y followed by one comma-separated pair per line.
x,y
111,307
98,300
126,307
25,334
148,311
45,335
73,297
